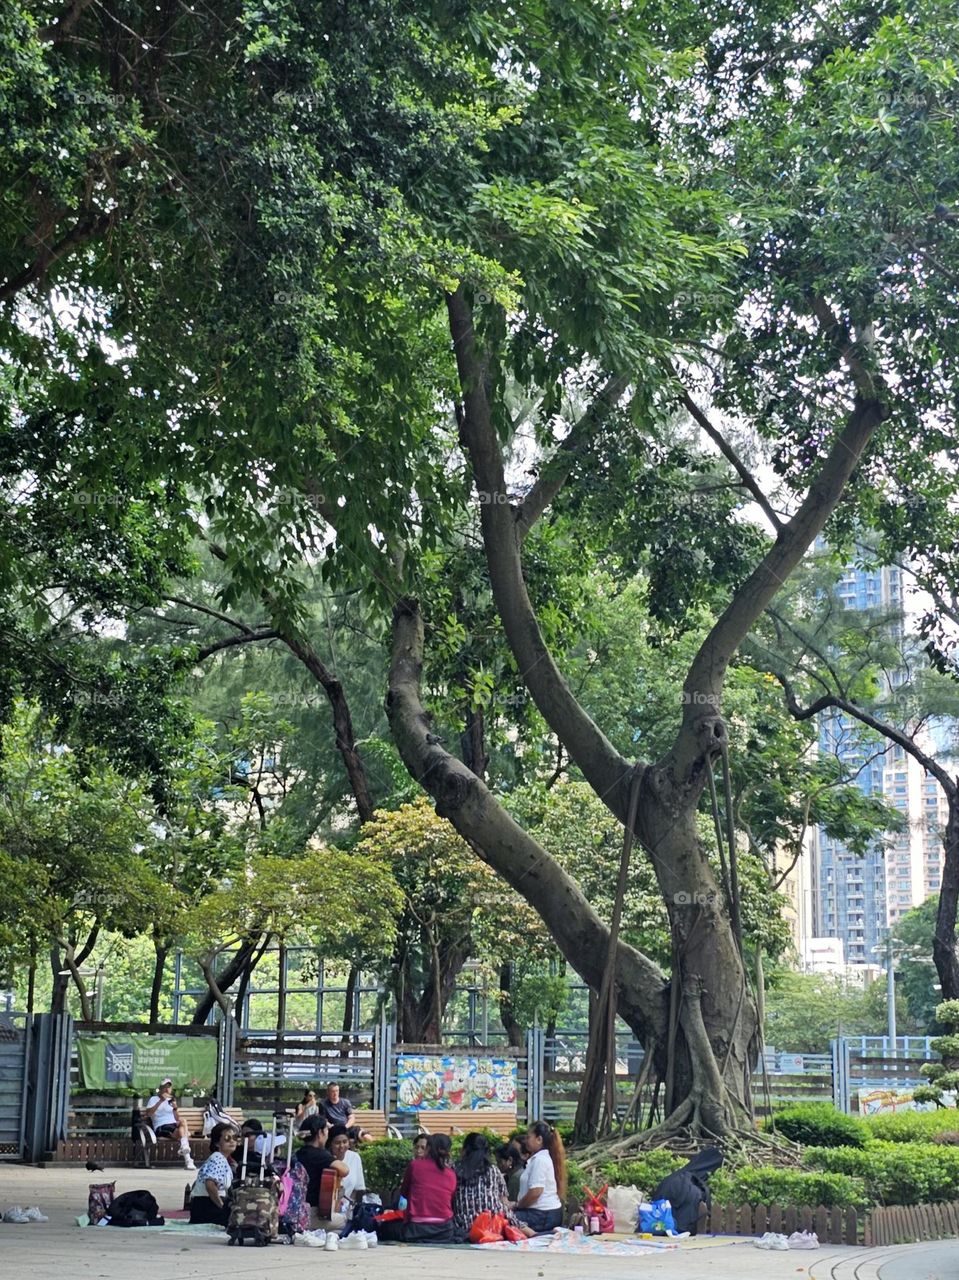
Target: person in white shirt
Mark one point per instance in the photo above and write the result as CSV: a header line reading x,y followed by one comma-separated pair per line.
x,y
161,1113
543,1182
353,1185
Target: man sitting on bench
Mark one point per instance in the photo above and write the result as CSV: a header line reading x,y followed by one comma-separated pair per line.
x,y
161,1114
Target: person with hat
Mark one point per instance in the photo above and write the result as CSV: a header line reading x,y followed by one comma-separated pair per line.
x,y
162,1116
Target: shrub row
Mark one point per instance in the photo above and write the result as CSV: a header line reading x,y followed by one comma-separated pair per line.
x,y
895,1172
819,1124
911,1126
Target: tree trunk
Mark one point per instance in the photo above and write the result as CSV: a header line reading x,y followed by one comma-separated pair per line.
x,y
586,1122
507,1014
162,950
349,1002
223,981
61,983
944,941
473,742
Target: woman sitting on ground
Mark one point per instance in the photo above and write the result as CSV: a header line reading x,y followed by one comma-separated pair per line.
x,y
429,1187
480,1187
509,1160
353,1185
543,1183
214,1178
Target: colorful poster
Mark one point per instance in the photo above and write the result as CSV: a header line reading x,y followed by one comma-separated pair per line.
x,y
424,1083
874,1102
112,1063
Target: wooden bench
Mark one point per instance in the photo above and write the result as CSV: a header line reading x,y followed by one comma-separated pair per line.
x,y
501,1122
374,1122
115,1149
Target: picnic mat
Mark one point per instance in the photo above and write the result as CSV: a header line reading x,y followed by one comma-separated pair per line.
x,y
171,1224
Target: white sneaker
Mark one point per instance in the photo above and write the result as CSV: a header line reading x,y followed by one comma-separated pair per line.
x,y
361,1240
771,1240
15,1214
188,1162
309,1239
332,1242
372,1239
34,1215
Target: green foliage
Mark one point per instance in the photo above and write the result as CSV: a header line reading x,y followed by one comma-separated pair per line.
x,y
910,1126
818,1124
646,1172
805,1011
765,1185
895,1172
384,1163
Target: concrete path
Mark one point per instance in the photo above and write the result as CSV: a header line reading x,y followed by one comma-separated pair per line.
x,y
58,1250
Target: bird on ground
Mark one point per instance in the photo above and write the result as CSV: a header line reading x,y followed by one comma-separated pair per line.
x,y
93,1167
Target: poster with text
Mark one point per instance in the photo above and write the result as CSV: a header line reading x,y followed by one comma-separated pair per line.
x,y
113,1063
425,1083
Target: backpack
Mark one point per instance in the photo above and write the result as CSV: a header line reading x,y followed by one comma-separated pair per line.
x,y
293,1207
135,1209
213,1114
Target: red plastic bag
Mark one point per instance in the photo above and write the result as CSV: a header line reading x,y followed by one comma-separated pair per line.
x,y
595,1206
487,1228
513,1233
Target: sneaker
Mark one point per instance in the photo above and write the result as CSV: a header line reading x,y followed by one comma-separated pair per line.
x,y
35,1215
15,1214
188,1164
361,1240
332,1242
771,1240
372,1239
309,1239
803,1240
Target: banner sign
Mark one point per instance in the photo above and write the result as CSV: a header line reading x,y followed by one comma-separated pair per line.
x,y
874,1102
138,1060
455,1084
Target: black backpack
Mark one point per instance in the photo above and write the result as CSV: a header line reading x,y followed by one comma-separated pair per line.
x,y
135,1209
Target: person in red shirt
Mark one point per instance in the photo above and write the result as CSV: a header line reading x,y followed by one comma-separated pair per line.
x,y
429,1186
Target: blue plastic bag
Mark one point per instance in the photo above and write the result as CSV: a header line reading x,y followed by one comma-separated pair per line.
x,y
656,1218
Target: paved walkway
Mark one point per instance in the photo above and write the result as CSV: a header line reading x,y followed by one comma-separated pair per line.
x,y
59,1250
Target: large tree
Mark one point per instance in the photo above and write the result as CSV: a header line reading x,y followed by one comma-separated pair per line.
x,y
348,255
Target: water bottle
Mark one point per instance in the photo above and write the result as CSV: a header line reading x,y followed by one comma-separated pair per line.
x,y
594,1225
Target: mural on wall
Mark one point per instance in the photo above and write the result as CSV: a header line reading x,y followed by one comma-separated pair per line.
x,y
424,1083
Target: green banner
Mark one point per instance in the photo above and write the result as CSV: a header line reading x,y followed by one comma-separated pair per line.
x,y
112,1063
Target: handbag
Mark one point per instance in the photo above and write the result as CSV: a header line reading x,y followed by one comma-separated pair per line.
x,y
213,1114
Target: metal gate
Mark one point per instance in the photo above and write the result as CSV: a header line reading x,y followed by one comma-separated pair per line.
x,y
13,1072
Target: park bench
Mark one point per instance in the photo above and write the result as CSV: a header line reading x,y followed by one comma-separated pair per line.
x,y
501,1122
115,1147
374,1122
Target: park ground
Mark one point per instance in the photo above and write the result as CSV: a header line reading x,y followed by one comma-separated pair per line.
x,y
59,1250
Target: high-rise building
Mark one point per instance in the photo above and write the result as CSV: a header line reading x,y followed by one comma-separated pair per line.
x,y
857,899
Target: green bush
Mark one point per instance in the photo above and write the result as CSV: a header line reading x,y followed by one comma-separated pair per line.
x,y
384,1163
645,1172
895,1172
911,1126
819,1124
767,1185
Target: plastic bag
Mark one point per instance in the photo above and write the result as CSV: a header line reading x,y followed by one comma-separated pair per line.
x,y
487,1228
99,1199
624,1205
656,1218
595,1206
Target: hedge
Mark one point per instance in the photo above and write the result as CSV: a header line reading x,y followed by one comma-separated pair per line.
x,y
768,1185
895,1172
818,1124
911,1126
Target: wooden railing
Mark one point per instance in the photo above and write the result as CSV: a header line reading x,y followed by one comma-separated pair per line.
x,y
890,1224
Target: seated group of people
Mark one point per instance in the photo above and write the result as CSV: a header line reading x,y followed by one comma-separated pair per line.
x,y
444,1199
323,1146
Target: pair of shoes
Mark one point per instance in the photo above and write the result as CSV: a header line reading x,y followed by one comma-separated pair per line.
x,y
332,1242
803,1240
771,1240
16,1214
310,1239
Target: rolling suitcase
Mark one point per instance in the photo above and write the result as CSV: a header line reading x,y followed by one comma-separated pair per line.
x,y
254,1213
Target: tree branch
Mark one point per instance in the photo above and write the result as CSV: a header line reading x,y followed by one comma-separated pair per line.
x,y
231,642
731,456
504,846
607,772
85,229
555,472
213,613
704,681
